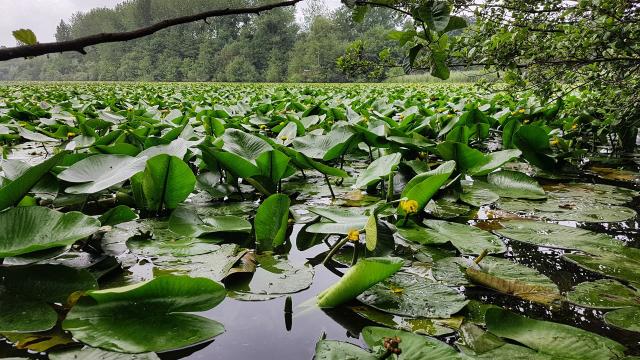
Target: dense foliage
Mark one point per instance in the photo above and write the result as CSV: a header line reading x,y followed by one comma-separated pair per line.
x,y
269,47
432,212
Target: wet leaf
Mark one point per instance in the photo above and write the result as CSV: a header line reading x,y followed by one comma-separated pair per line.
x,y
469,240
147,317
271,222
557,340
34,228
626,318
603,294
410,295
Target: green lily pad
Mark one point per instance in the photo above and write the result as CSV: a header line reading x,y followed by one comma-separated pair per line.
x,y
469,240
338,350
188,223
577,202
445,209
413,346
100,172
603,294
377,170
147,317
514,279
26,293
626,318
34,228
274,277
410,295
551,235
557,340
616,266
476,195
514,184
89,353
431,327
452,270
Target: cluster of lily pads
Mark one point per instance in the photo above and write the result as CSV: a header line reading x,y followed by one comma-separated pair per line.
x,y
124,209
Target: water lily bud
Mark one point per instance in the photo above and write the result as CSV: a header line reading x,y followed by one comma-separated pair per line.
x,y
354,235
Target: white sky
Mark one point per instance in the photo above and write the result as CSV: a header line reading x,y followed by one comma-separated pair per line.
x,y
42,16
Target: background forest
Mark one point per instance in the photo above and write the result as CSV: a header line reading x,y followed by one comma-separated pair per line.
x,y
272,47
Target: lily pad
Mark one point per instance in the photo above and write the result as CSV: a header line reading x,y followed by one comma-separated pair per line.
x,y
413,346
274,277
89,353
469,240
551,235
378,169
577,202
603,294
186,222
147,317
558,340
410,295
339,350
626,318
514,184
26,293
100,172
514,279
616,266
34,228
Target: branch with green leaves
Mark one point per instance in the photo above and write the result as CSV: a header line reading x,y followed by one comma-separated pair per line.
x,y
32,48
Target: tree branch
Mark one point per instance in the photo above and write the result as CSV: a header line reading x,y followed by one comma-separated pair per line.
x,y
79,44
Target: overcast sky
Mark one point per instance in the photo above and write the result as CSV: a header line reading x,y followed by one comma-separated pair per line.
x,y
42,16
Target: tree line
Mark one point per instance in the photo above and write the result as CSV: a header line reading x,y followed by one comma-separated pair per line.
x,y
271,47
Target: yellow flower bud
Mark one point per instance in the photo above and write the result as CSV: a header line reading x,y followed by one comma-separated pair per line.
x,y
354,235
282,123
521,111
283,138
409,206
71,134
574,126
555,141
263,126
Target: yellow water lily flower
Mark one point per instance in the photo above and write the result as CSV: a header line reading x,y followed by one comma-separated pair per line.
x,y
71,134
283,138
574,126
521,111
354,235
555,141
409,206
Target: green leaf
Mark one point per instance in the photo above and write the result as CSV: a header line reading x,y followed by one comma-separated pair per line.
x,y
273,165
609,264
625,318
167,182
411,295
557,340
188,223
465,157
12,193
558,236
25,37
137,318
603,294
455,23
514,184
88,353
338,350
275,276
424,186
100,172
34,228
469,240
325,146
117,215
271,222
26,293
475,195
534,143
371,232
378,169
493,161
244,144
413,346
366,273
514,279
